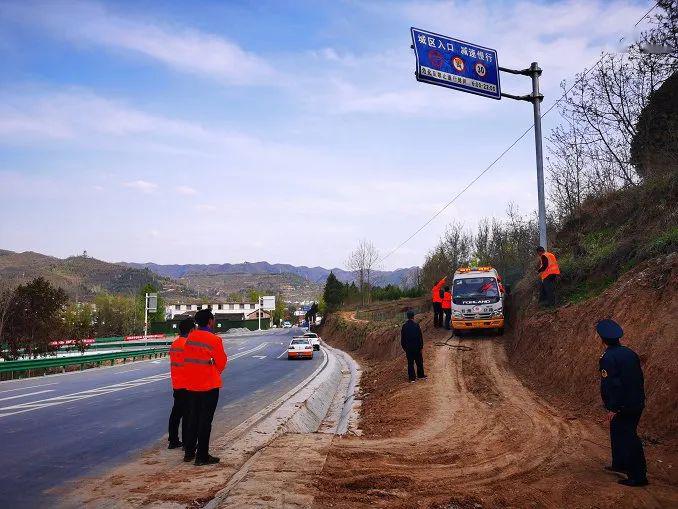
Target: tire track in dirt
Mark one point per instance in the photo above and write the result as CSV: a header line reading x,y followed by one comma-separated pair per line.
x,y
488,440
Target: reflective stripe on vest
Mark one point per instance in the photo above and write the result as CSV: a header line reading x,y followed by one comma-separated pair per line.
x,y
192,342
198,361
176,364
552,268
176,350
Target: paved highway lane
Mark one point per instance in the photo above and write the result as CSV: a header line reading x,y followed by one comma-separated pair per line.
x,y
55,429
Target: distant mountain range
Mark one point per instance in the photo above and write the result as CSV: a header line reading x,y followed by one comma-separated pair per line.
x,y
313,274
82,277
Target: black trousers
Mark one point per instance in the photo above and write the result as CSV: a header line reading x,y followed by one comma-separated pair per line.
x,y
415,357
448,318
202,405
547,291
627,449
178,414
437,314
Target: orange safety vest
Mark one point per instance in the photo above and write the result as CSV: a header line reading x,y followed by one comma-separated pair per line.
x,y
176,355
552,267
435,292
204,360
447,300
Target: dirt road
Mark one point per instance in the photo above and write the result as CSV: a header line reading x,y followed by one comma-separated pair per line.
x,y
474,436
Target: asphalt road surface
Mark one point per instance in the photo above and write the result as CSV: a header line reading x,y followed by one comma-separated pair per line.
x,y
55,429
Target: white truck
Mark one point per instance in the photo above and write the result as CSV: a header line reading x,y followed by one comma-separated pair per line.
x,y
477,300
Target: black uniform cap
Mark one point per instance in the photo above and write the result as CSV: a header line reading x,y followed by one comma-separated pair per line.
x,y
609,329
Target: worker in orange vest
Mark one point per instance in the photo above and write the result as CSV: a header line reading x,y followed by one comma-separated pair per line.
x,y
180,408
437,300
204,361
447,307
548,271
502,290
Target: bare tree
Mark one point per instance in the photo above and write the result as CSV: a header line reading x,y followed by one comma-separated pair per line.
x,y
590,154
362,262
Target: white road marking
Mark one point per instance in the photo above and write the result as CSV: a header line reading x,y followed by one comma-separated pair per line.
x,y
29,387
259,356
90,393
128,371
284,353
27,394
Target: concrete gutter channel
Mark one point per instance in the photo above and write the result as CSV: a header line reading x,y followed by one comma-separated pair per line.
x,y
288,440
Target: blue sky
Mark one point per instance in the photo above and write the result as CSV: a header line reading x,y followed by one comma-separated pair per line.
x,y
216,131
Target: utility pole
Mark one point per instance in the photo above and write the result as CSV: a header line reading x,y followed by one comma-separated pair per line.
x,y
534,71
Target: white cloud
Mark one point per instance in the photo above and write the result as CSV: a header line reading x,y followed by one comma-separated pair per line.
x,y
180,48
186,190
142,185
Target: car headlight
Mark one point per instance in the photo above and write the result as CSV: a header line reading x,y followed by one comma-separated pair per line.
x,y
457,314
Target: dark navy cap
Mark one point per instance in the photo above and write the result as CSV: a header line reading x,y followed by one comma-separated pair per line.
x,y
609,329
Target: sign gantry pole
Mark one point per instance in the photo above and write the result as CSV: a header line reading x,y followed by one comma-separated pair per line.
x,y
534,71
145,317
452,63
537,98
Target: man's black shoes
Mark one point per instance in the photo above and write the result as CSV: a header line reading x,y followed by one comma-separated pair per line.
x,y
175,445
633,483
189,457
209,460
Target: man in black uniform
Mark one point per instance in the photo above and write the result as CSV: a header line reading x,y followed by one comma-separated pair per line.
x,y
412,341
621,386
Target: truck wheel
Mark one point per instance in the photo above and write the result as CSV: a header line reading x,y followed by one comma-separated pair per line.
x,y
500,331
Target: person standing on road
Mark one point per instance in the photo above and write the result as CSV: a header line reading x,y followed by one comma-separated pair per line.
x,y
437,301
447,307
180,408
623,393
412,341
548,271
204,361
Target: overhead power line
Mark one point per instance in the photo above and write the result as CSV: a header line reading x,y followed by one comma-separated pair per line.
x,y
508,149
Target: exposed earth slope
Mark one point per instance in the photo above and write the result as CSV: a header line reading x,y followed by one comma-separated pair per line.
x,y
475,435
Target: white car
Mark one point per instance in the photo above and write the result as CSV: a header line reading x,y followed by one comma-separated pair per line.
x,y
300,348
287,325
315,339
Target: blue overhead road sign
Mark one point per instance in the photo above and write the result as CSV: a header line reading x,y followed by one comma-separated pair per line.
x,y
456,64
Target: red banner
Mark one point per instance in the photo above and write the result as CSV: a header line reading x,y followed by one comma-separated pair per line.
x,y
64,342
150,336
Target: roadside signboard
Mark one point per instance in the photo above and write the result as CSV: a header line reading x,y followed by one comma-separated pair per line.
x,y
268,303
456,64
152,303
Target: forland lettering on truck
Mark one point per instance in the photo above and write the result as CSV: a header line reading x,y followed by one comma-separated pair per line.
x,y
477,300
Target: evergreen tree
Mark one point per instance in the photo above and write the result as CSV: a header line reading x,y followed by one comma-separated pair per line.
x,y
333,293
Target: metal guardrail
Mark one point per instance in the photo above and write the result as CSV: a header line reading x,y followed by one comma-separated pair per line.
x,y
82,360
120,344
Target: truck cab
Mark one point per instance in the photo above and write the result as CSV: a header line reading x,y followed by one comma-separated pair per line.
x,y
477,301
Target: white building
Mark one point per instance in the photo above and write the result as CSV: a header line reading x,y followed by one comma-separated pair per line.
x,y
246,308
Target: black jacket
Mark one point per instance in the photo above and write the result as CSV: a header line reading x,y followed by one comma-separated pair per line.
x,y
411,338
621,380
